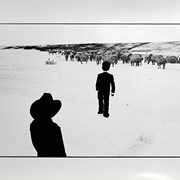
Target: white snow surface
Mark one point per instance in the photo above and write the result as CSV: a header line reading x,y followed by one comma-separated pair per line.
x,y
144,113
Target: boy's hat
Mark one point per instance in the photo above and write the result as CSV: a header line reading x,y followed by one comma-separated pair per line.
x,y
45,107
106,65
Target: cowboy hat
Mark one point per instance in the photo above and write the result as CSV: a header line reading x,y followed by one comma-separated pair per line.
x,y
45,107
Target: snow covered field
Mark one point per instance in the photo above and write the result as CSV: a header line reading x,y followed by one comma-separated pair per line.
x,y
144,113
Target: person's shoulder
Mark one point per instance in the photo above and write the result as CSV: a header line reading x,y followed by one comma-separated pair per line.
x,y
55,125
100,74
33,123
109,74
105,73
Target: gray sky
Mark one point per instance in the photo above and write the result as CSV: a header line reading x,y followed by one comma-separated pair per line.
x,y
62,34
90,169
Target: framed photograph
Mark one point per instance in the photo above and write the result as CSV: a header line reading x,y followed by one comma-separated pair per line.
x,y
141,115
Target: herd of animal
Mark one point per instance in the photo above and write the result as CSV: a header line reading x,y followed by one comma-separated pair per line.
x,y
114,57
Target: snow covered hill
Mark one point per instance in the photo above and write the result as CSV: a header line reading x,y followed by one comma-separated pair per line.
x,y
164,48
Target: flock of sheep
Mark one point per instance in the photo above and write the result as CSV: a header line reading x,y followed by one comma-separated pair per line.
x,y
114,57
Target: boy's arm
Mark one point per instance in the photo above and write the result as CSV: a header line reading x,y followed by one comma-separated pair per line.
x,y
97,83
112,86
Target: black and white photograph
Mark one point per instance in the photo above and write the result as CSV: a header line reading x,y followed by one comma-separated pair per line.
x,y
89,90
89,78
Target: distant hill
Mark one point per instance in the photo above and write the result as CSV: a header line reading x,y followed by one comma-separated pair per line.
x,y
165,48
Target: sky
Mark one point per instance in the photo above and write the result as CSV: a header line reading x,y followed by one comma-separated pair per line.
x,y
91,169
88,11
73,34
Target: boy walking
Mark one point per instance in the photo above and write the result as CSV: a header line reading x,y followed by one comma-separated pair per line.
x,y
104,84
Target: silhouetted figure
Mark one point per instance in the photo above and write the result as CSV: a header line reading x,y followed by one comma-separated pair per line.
x,y
45,134
104,82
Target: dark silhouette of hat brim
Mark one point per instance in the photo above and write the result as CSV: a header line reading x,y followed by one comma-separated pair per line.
x,y
45,107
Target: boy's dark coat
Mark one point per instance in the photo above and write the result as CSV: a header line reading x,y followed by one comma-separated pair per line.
x,y
104,80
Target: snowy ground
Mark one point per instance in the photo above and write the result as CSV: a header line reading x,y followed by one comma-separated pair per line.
x,y
144,113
